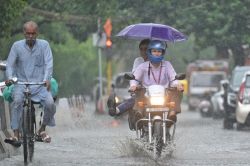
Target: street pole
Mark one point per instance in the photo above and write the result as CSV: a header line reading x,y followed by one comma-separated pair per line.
x,y
100,71
100,66
109,74
108,29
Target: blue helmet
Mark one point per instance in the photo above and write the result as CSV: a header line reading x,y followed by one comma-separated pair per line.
x,y
159,45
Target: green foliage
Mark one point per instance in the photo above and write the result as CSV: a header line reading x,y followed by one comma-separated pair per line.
x,y
222,24
212,27
180,54
9,12
71,11
75,65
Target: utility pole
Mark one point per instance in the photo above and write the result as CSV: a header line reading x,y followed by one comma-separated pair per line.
x,y
103,40
100,64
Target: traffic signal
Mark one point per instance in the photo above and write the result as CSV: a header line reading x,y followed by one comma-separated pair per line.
x,y
108,29
108,43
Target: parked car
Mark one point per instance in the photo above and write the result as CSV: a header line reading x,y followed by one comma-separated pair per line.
x,y
230,95
2,76
243,103
202,83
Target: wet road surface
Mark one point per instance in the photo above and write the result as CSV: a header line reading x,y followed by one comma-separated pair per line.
x,y
85,138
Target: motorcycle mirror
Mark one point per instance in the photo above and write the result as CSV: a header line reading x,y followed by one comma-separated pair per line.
x,y
224,84
180,76
129,76
113,85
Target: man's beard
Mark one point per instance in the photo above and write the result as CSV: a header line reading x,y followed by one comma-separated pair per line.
x,y
30,42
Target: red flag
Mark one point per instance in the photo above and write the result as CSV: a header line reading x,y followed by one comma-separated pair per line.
x,y
108,27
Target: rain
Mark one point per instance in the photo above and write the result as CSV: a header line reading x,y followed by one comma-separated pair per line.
x,y
94,44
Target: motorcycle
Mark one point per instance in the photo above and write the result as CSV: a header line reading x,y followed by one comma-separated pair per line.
x,y
205,106
150,116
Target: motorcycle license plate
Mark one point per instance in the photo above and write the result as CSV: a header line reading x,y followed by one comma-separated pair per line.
x,y
157,109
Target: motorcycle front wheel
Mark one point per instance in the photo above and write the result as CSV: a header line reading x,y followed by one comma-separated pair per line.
x,y
157,139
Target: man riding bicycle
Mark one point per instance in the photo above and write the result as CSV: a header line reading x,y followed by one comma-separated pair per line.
x,y
31,60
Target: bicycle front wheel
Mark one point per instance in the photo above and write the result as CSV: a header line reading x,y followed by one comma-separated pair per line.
x,y
25,134
32,132
28,134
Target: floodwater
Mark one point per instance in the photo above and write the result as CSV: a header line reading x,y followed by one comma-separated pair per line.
x,y
82,137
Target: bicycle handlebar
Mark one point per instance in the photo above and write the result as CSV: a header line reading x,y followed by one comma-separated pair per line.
x,y
10,82
30,83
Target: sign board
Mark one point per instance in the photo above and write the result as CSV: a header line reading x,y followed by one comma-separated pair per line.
x,y
99,41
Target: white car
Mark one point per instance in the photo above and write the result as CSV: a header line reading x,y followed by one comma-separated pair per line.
x,y
2,76
243,103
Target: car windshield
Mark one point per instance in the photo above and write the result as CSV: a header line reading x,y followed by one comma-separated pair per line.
x,y
248,81
121,82
237,78
207,80
2,75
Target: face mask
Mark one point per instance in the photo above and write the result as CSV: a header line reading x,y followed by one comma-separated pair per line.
x,y
155,59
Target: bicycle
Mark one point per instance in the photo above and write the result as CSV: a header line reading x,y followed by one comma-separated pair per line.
x,y
28,130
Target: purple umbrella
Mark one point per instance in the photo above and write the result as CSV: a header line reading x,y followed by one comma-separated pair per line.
x,y
152,31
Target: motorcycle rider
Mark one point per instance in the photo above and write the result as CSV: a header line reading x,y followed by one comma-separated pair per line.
x,y
143,55
157,71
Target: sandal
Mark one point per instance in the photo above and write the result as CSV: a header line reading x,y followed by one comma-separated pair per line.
x,y
13,141
43,137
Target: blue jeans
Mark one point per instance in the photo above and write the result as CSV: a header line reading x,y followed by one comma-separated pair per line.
x,y
126,105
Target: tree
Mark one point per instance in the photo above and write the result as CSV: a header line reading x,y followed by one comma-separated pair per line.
x,y
9,12
218,23
68,25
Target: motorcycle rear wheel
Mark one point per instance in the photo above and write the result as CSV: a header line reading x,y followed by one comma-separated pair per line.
x,y
25,136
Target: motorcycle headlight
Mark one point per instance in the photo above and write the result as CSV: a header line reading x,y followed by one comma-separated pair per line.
x,y
117,99
156,100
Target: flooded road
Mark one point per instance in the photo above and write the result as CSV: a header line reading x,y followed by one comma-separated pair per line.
x,y
84,138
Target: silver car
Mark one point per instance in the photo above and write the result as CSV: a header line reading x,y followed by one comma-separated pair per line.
x,y
120,87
